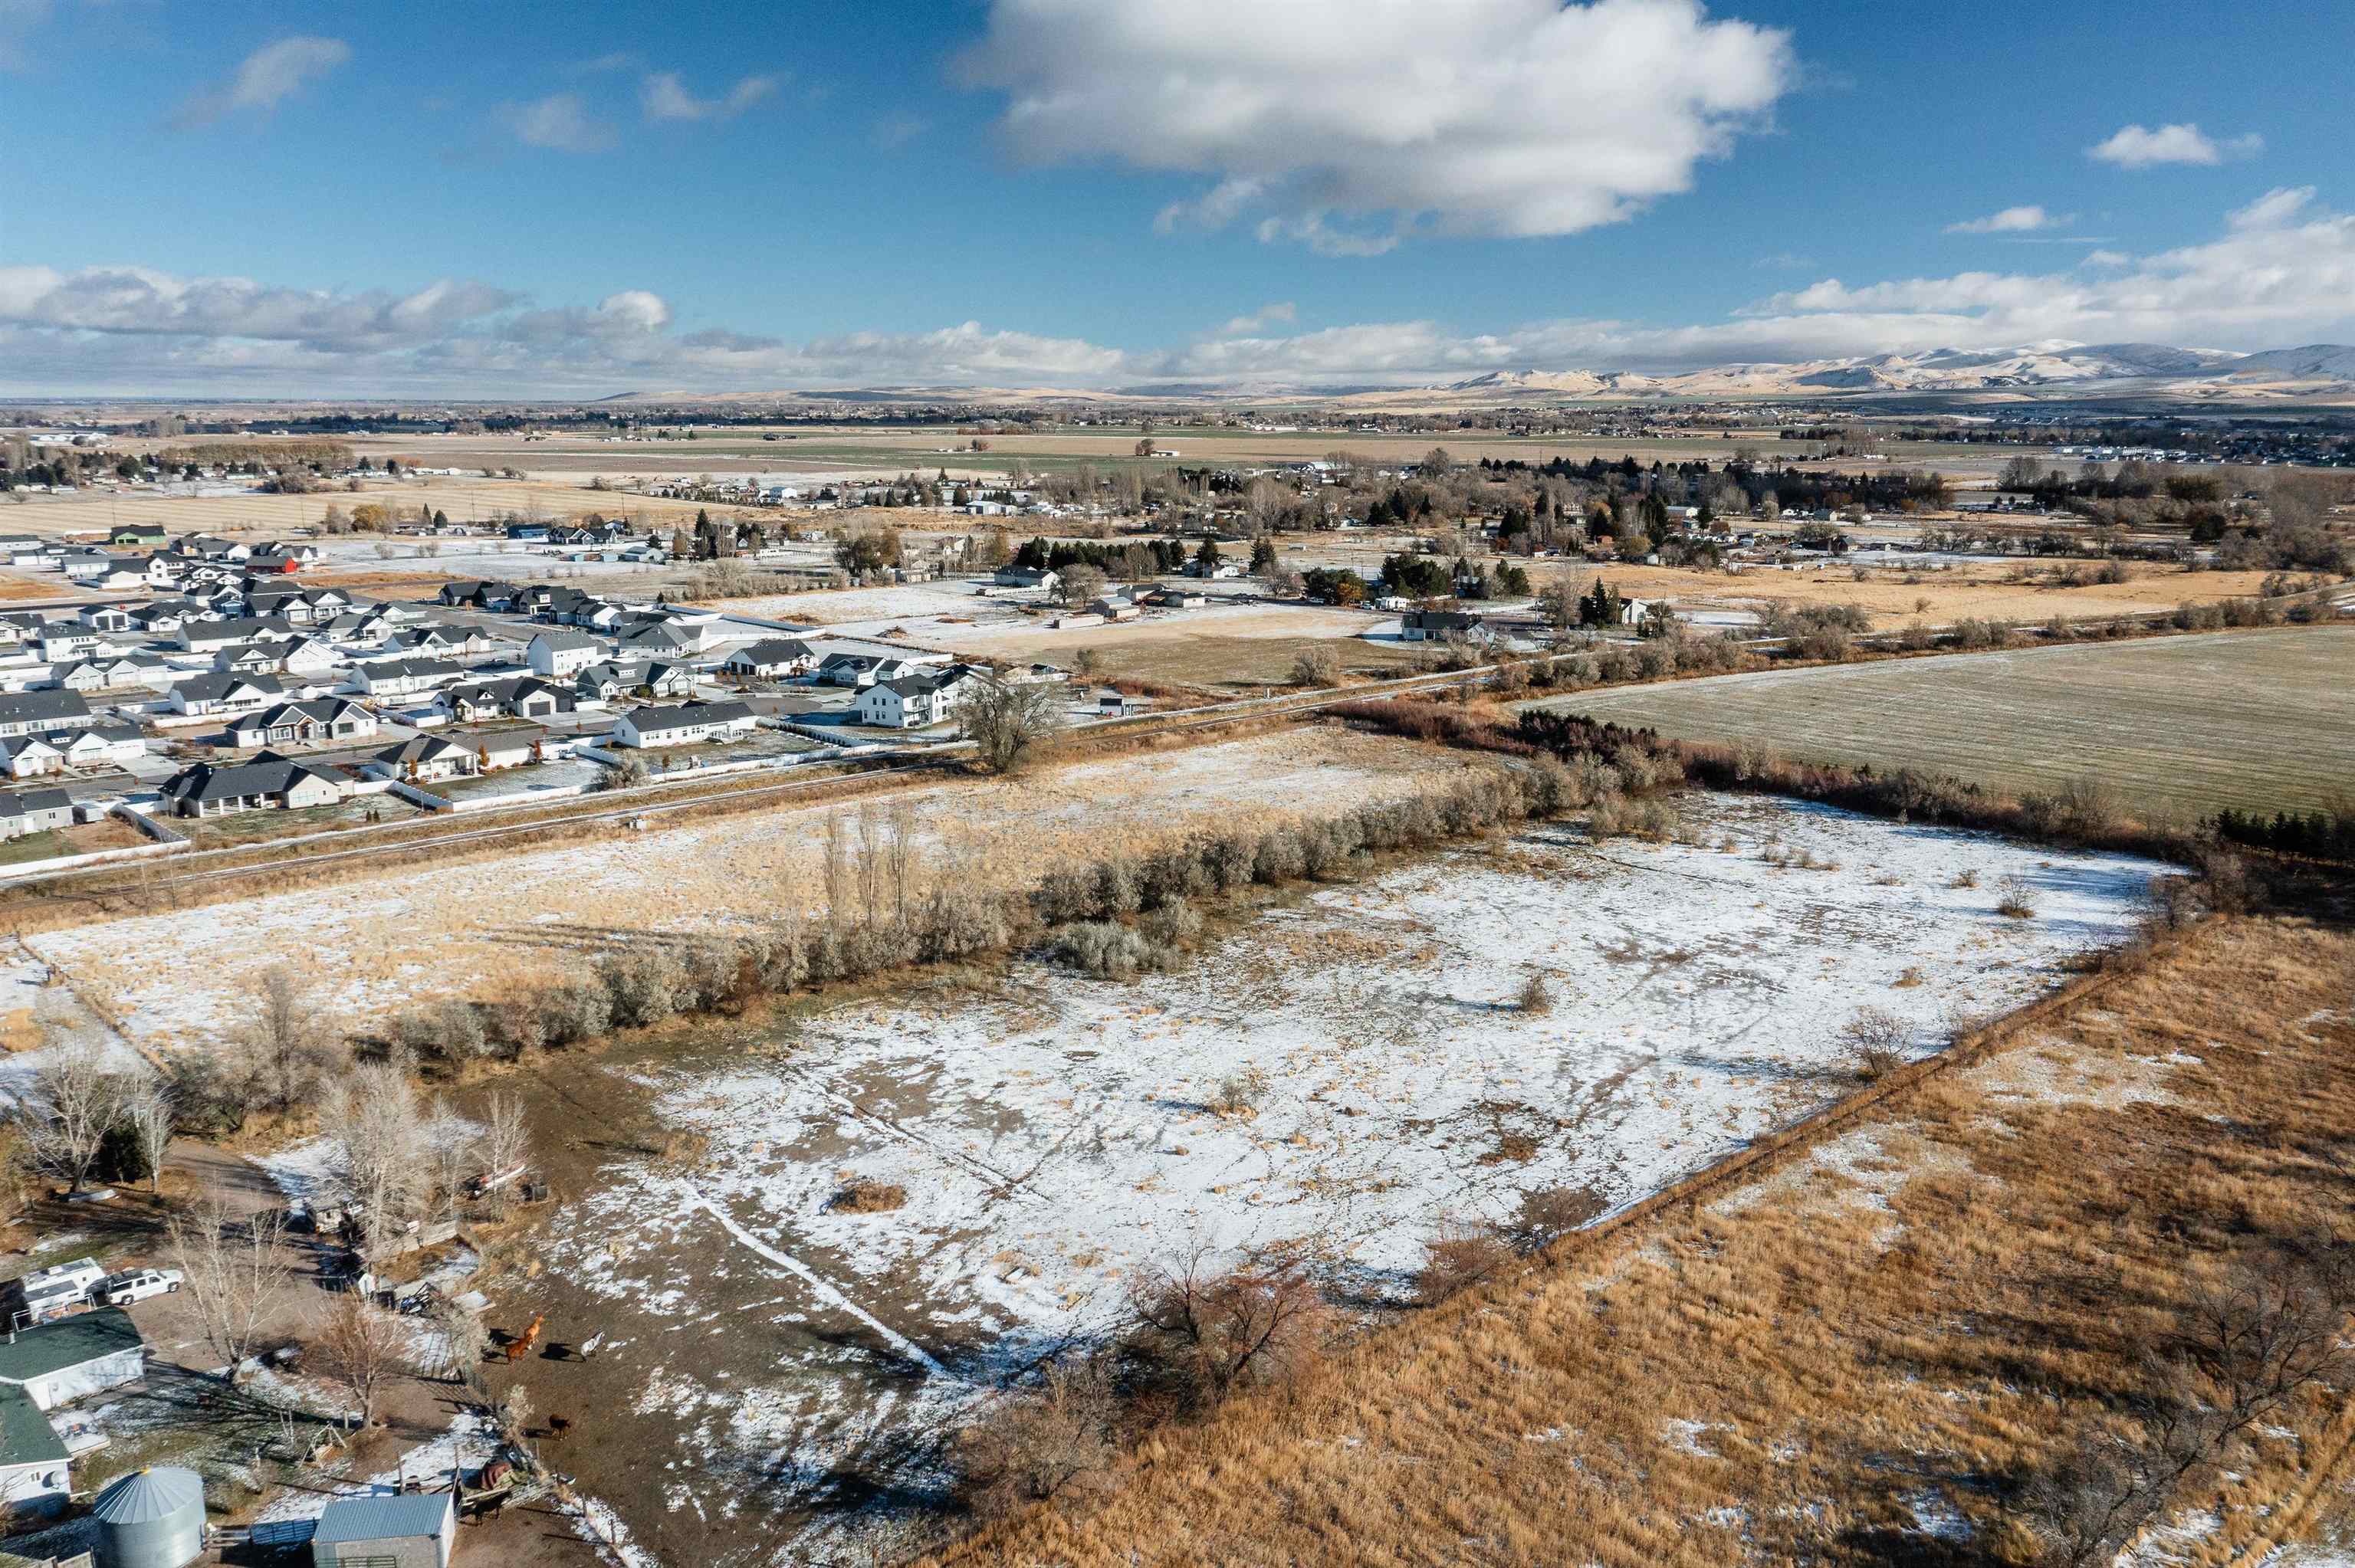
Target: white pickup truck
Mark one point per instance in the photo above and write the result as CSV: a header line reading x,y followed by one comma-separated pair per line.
x,y
136,1284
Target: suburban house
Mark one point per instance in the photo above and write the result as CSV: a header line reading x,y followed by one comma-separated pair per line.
x,y
911,701
433,640
210,636
223,692
667,680
423,759
30,756
328,719
87,676
45,1367
663,639
99,745
602,682
269,781
689,724
161,617
500,748
249,659
31,712
301,606
773,659
562,653
1027,578
136,536
862,669
109,619
401,677
1114,607
309,656
399,1530
479,595
26,811
522,696
63,639
1437,625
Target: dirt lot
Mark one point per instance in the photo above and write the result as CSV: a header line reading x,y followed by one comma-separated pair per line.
x,y
2259,719
483,927
1052,1135
1859,1359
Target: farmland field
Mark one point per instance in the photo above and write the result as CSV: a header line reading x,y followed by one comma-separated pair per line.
x,y
1860,1358
1048,1136
2260,720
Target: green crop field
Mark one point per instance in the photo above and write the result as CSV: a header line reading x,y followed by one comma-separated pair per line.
x,y
2177,726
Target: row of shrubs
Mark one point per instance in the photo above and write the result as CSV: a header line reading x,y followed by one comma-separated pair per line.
x,y
1114,916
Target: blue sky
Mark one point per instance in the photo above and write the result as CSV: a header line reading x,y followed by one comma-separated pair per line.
x,y
581,198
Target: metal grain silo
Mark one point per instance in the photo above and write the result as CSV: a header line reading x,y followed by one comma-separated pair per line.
x,y
151,1518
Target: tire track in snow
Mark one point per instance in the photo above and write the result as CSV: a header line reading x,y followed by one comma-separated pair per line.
x,y
827,1291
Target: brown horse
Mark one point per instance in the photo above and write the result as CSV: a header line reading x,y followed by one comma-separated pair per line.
x,y
519,1348
557,1426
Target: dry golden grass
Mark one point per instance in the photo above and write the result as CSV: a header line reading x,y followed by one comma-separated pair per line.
x,y
246,516
378,935
1980,591
1917,1309
1209,661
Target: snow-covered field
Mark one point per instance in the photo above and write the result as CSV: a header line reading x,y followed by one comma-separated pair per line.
x,y
1055,1136
377,943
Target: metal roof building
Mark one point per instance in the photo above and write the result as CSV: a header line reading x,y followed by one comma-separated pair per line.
x,y
413,1529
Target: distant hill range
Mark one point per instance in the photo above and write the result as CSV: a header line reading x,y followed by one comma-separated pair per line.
x,y
2319,373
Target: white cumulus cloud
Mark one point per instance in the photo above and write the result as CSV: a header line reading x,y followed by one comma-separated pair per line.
x,y
2278,270
1349,123
2011,220
265,79
560,123
664,95
2138,147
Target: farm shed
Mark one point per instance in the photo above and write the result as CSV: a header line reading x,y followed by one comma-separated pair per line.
x,y
58,1362
413,1531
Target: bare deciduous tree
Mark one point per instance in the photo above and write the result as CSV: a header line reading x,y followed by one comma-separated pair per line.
x,y
287,1035
1035,1446
373,1112
463,1330
1258,1323
360,1350
1008,720
451,1143
74,1101
232,1275
1078,583
150,1111
507,1141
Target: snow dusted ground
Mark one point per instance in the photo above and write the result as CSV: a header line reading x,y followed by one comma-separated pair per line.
x,y
375,943
1054,1137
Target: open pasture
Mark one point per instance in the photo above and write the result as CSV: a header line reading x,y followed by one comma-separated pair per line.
x,y
2263,720
1865,1357
1343,1076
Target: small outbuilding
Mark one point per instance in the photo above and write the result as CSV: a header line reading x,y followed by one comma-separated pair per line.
x,y
413,1529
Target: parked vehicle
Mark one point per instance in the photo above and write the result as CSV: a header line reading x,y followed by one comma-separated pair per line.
x,y
136,1284
80,1275
51,1293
